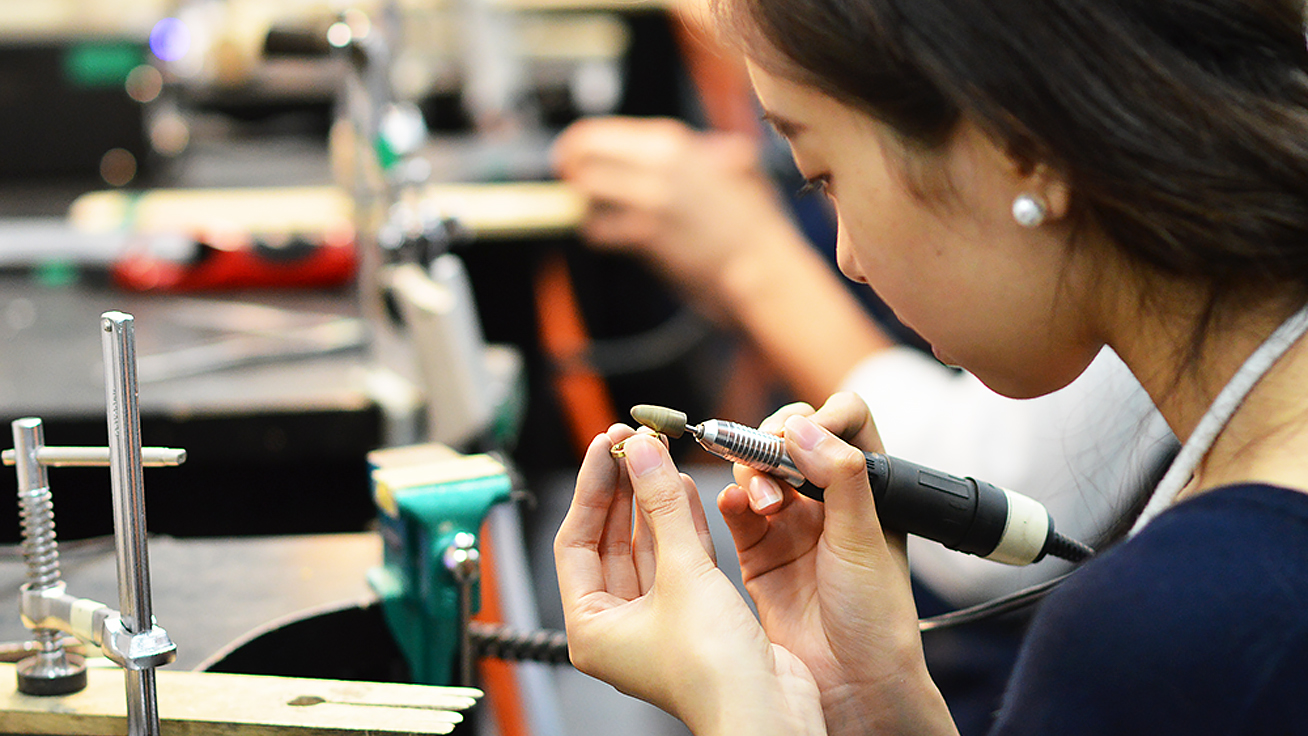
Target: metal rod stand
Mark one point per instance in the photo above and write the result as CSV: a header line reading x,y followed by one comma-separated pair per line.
x,y
124,417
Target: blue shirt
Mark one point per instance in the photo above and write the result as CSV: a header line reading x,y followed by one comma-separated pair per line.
x,y
1197,625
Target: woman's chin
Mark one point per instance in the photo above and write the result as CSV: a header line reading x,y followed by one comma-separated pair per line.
x,y
943,358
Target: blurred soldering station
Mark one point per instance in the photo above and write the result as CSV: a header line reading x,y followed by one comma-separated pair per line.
x,y
300,349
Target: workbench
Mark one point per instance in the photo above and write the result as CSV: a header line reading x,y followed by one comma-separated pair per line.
x,y
212,593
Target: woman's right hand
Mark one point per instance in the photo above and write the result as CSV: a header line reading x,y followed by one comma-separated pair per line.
x,y
691,203
700,209
830,586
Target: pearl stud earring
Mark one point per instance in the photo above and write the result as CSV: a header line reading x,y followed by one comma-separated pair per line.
x,y
1028,211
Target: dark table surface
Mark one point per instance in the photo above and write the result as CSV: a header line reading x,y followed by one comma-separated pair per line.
x,y
208,593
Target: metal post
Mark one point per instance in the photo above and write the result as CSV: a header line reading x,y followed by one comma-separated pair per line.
x,y
123,410
462,559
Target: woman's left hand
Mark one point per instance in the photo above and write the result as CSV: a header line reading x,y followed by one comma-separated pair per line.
x,y
649,612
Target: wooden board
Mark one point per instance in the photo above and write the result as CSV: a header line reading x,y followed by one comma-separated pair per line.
x,y
495,211
210,704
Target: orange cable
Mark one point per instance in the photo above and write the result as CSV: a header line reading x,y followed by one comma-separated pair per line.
x,y
583,394
719,76
499,678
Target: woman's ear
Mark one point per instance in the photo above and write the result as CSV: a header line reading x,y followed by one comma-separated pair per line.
x,y
1052,189
1024,173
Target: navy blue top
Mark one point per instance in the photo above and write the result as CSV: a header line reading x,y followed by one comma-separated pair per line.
x,y
1198,625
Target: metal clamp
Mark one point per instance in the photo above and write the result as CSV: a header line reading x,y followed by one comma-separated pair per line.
x,y
432,502
143,650
130,636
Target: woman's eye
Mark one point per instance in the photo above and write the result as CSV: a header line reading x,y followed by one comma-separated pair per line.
x,y
815,185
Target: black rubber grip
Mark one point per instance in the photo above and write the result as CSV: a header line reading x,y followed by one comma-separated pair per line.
x,y
961,513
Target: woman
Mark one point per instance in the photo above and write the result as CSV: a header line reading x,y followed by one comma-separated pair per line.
x,y
699,208
1024,182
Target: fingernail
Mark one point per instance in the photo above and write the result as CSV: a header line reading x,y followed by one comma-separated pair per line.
x,y
763,493
643,456
805,433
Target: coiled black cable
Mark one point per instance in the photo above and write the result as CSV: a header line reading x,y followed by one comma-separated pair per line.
x,y
502,642
499,641
1066,548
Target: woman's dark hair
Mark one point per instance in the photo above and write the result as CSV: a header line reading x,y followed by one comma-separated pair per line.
x,y
1180,125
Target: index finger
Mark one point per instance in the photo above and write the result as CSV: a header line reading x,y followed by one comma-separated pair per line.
x,y
663,498
578,541
768,495
775,423
635,142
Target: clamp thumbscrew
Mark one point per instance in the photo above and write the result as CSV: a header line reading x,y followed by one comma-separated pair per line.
x,y
52,670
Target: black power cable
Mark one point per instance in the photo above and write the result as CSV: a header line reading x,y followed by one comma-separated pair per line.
x,y
502,642
498,641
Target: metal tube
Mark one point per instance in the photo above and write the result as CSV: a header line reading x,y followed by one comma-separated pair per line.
x,y
151,457
29,439
123,410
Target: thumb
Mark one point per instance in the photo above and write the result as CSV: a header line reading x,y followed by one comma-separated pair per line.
x,y
851,525
661,496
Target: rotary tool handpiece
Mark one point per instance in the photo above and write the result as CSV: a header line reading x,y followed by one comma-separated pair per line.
x,y
962,513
